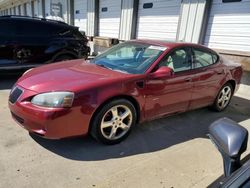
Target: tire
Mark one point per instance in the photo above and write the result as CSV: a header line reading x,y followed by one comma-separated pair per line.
x,y
63,58
223,98
113,122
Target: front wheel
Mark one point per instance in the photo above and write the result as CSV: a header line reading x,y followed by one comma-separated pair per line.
x,y
223,98
114,121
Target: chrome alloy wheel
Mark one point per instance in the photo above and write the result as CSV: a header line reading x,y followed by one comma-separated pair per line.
x,y
116,122
224,97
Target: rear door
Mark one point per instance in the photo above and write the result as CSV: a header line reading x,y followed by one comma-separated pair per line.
x,y
6,44
32,44
208,75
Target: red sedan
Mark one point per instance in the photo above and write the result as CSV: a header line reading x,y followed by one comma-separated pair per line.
x,y
132,82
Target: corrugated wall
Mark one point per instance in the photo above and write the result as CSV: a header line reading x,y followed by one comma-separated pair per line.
x,y
109,18
80,14
126,20
23,9
47,7
16,10
29,8
91,18
229,26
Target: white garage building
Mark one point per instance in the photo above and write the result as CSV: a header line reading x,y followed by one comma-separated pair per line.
x,y
220,24
229,26
109,18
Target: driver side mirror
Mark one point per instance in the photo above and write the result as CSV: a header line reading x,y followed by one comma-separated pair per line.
x,y
162,72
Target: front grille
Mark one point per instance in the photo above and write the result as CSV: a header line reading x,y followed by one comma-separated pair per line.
x,y
17,118
15,94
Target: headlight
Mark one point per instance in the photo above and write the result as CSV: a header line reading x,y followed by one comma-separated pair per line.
x,y
54,99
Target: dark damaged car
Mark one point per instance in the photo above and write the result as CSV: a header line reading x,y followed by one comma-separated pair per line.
x,y
27,42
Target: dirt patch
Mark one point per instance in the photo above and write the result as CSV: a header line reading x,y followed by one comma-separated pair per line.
x,y
243,60
246,64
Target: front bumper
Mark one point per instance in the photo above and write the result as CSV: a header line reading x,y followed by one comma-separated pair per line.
x,y
52,123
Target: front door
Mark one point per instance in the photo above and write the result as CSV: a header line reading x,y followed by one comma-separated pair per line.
x,y
170,95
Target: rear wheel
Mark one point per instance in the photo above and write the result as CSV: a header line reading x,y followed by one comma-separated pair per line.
x,y
223,98
114,121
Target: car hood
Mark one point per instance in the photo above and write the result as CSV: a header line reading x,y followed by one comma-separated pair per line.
x,y
73,75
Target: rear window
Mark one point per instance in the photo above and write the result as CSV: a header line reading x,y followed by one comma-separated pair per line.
x,y
203,58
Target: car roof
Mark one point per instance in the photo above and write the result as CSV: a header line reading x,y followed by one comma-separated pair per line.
x,y
35,19
172,44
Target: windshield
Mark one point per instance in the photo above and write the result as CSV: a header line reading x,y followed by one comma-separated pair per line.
x,y
130,57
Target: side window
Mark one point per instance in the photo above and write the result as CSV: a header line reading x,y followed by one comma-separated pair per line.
x,y
202,58
7,28
41,29
178,60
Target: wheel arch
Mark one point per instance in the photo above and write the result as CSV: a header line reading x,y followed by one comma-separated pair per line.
x,y
127,97
233,83
64,53
230,82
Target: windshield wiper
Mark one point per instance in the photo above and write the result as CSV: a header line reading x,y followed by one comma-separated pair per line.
x,y
118,70
101,65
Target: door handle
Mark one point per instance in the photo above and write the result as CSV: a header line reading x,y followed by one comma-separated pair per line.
x,y
188,79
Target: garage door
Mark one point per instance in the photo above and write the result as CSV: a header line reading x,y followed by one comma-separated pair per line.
x,y
13,11
23,9
109,18
38,8
17,10
229,26
29,9
36,13
158,19
47,8
80,14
